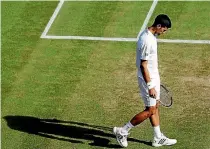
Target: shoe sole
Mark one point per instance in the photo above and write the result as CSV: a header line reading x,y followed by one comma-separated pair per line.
x,y
158,145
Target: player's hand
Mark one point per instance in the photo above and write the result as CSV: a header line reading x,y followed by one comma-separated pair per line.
x,y
152,93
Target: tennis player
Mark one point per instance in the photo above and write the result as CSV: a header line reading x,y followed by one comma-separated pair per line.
x,y
149,83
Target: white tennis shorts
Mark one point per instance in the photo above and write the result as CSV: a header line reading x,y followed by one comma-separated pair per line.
x,y
149,101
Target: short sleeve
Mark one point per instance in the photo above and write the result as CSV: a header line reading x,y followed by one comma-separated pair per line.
x,y
144,50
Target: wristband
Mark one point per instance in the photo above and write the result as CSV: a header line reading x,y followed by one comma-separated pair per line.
x,y
150,85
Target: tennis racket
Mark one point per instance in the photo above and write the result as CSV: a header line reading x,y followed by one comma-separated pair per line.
x,y
165,96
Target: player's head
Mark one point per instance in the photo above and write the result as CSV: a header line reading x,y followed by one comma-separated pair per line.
x,y
162,23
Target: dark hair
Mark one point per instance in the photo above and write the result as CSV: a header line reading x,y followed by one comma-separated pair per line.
x,y
163,20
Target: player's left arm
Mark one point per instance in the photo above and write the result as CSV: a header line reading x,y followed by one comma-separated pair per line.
x,y
146,76
144,56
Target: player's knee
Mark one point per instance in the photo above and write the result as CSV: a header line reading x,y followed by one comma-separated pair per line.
x,y
152,110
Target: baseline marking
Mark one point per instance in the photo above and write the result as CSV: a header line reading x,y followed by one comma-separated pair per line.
x,y
126,39
89,38
184,41
52,19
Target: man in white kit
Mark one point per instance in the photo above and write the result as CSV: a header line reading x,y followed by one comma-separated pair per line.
x,y
149,83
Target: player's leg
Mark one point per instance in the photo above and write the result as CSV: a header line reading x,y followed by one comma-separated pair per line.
x,y
155,119
159,138
140,117
150,104
155,122
122,132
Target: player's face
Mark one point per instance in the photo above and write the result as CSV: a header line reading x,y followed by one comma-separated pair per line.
x,y
161,30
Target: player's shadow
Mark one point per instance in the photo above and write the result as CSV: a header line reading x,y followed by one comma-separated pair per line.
x,y
74,132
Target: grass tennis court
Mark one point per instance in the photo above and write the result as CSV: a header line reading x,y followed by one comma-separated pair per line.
x,y
102,18
69,94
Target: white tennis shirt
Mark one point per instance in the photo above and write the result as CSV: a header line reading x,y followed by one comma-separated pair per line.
x,y
147,50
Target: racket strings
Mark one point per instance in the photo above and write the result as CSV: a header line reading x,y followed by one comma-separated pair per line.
x,y
165,96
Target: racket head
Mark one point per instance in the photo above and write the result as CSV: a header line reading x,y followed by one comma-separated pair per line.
x,y
165,96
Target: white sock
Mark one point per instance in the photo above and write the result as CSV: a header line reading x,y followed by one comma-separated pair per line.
x,y
128,126
157,132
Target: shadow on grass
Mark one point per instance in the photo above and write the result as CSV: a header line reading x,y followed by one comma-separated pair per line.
x,y
70,131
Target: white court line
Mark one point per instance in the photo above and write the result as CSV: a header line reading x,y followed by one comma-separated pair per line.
x,y
184,41
126,39
52,19
149,14
44,34
89,38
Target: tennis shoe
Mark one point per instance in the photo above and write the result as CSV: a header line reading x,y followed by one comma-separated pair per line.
x,y
121,136
163,140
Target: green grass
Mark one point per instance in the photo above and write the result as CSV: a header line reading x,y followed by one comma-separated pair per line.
x,y
189,19
103,19
68,94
